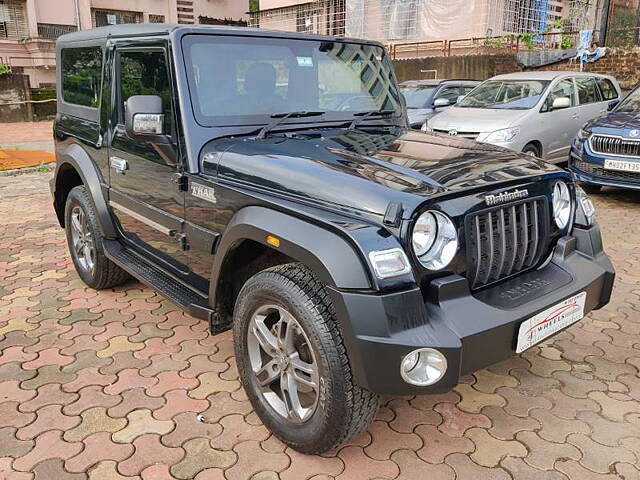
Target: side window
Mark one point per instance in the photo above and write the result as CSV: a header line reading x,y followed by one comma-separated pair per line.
x,y
82,75
145,73
564,88
607,89
587,91
450,93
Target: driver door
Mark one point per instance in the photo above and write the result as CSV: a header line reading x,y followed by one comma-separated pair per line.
x,y
144,196
560,126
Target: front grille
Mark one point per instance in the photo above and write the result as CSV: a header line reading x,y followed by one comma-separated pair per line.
x,y
615,146
469,135
505,240
587,167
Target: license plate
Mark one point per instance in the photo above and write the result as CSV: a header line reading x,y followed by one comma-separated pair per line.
x,y
550,321
621,165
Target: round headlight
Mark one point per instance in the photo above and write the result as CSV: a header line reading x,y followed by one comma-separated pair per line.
x,y
561,204
434,240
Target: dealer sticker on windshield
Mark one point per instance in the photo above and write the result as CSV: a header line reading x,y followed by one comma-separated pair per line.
x,y
550,321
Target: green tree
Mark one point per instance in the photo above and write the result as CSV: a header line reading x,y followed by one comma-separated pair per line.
x,y
254,5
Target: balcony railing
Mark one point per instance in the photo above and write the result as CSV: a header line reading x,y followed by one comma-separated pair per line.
x,y
53,31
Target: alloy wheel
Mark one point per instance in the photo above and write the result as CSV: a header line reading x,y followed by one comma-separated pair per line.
x,y
82,238
284,363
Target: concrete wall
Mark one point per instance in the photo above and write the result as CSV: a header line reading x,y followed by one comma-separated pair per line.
x,y
235,9
624,64
268,4
14,88
61,12
476,67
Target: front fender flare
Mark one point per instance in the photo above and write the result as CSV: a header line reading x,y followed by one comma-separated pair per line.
x,y
331,257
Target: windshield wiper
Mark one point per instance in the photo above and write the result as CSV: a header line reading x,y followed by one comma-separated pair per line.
x,y
281,117
364,115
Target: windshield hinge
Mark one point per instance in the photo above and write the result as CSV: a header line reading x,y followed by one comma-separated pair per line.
x,y
181,180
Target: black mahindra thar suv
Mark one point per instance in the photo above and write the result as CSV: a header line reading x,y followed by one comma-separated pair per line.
x,y
268,183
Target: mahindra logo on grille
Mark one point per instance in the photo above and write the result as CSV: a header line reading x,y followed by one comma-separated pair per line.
x,y
506,197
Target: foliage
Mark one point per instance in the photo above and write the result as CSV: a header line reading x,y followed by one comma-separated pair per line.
x,y
254,5
4,69
42,168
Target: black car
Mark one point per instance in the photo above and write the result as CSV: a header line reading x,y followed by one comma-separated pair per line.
x,y
606,151
426,98
268,182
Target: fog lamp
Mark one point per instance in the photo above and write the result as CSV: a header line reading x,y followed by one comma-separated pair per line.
x,y
423,367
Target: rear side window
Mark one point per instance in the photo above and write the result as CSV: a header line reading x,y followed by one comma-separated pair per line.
x,y
450,93
587,91
564,89
607,89
81,76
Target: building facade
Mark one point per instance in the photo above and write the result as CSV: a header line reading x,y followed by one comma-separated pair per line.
x,y
29,28
393,21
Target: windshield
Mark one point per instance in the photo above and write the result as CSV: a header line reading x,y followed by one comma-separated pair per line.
x,y
417,97
505,94
244,80
631,104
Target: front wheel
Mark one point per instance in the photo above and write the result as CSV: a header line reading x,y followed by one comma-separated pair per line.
x,y
531,149
293,363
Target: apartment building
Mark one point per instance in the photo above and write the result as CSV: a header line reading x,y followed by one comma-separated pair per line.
x,y
393,21
28,28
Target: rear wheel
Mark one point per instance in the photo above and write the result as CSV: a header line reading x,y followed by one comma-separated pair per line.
x,y
531,149
293,363
84,238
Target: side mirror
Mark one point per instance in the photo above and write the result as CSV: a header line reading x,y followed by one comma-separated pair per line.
x,y
441,102
460,97
612,104
560,103
144,118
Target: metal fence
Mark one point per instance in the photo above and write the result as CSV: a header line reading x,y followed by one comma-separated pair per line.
x,y
53,31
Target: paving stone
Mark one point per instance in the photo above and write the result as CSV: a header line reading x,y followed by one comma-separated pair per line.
x,y
607,432
124,361
49,445
522,471
490,451
94,420
11,417
179,402
107,470
133,399
455,422
555,429
87,377
543,454
54,469
437,445
149,451
10,391
128,379
386,441
575,386
613,409
597,457
199,364
10,446
48,374
405,417
119,344
489,382
48,418
163,363
235,430
465,468
506,426
140,422
49,394
156,472
199,456
88,397
86,359
211,383
568,407
473,401
14,371
170,381
573,469
98,447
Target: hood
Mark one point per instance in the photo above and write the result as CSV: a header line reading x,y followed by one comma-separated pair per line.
x,y
477,119
618,123
356,170
419,115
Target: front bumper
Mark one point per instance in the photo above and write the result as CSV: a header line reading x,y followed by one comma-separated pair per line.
x,y
588,168
472,330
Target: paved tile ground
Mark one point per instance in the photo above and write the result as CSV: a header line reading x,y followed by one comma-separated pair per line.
x,y
108,385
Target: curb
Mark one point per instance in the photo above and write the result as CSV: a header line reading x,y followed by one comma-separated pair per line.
x,y
22,171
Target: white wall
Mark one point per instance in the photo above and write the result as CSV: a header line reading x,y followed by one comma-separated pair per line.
x,y
235,9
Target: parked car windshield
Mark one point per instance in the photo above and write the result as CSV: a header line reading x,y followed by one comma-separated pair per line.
x,y
505,94
417,97
244,80
630,104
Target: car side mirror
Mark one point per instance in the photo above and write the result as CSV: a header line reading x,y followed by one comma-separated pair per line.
x,y
144,118
612,104
460,97
560,103
441,102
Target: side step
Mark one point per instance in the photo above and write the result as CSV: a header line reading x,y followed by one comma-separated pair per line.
x,y
161,281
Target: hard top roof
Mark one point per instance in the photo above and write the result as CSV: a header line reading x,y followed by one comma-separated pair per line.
x,y
544,75
435,82
154,29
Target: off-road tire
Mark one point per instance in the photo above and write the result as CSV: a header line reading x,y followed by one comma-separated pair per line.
x,y
345,408
105,274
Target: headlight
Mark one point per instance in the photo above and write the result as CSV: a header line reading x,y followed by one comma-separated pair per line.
x,y
583,134
561,204
586,212
502,136
434,240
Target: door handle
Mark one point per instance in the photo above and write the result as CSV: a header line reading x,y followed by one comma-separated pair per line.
x,y
118,164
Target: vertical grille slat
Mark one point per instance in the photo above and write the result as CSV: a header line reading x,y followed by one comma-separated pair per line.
x,y
615,146
504,240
